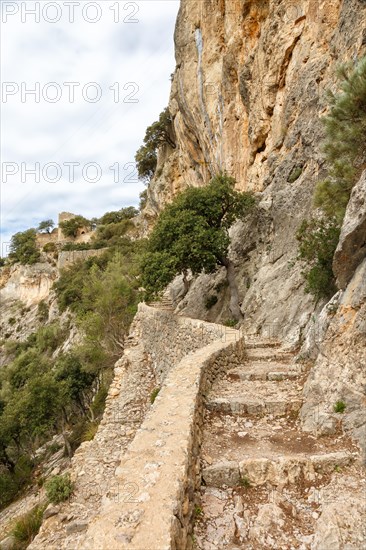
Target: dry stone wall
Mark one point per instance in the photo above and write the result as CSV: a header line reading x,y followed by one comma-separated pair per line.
x,y
168,338
161,466
66,258
136,480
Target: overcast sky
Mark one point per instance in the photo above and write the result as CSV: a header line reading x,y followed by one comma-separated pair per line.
x,y
117,74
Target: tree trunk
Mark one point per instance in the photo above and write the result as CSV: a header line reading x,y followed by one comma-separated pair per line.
x,y
185,283
234,293
67,445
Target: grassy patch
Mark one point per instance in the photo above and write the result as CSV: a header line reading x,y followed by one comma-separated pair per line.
x,y
27,527
230,323
154,395
339,407
244,482
294,174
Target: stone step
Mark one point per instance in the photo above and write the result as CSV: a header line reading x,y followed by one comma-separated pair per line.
x,y
268,354
280,471
246,406
162,306
272,370
254,344
255,397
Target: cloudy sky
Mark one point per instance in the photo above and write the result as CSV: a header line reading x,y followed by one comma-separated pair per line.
x,y
100,74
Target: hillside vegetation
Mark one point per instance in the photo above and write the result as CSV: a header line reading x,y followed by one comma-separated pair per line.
x,y
345,154
49,387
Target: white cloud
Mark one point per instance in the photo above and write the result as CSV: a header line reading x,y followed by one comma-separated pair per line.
x,y
104,132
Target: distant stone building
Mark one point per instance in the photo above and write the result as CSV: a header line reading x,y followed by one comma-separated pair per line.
x,y
57,237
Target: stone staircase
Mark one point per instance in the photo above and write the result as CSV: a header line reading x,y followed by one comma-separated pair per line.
x,y
164,304
265,483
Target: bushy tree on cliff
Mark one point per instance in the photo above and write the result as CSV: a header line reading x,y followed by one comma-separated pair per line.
x,y
157,134
71,227
118,216
345,152
192,234
23,247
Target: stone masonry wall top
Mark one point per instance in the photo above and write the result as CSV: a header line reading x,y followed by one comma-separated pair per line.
x,y
161,466
168,338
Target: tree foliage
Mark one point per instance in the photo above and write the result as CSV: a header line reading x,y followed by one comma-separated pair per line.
x,y
345,152
318,240
71,227
192,232
118,216
157,134
23,247
345,141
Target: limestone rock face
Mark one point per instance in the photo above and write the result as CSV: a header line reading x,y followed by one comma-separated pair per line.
x,y
339,372
352,243
247,96
30,284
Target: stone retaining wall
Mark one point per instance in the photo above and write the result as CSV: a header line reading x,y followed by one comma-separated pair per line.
x,y
136,481
67,258
167,338
160,473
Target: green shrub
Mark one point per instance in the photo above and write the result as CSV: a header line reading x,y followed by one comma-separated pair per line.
x,y
230,323
198,511
295,174
318,239
154,395
53,448
340,407
211,301
90,431
49,248
12,321
50,337
13,483
59,488
112,232
118,216
27,527
42,311
99,400
244,482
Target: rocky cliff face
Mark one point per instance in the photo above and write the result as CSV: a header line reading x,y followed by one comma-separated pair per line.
x,y
22,288
247,97
338,336
28,284
248,94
